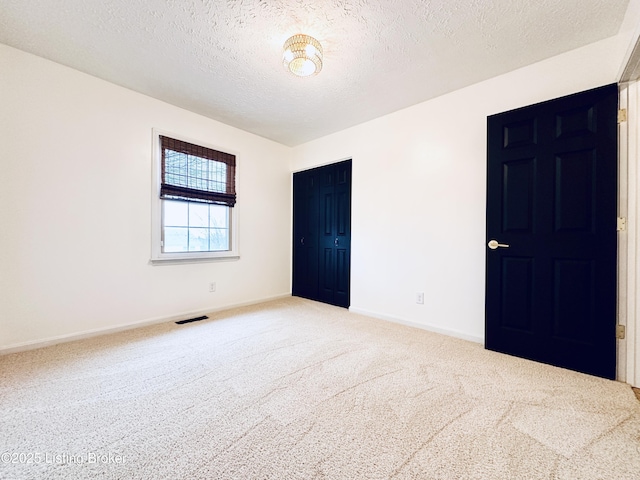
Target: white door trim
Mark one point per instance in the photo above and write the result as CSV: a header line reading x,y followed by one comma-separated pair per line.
x,y
633,287
628,259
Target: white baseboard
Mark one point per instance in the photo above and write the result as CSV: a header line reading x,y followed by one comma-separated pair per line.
x,y
32,345
423,326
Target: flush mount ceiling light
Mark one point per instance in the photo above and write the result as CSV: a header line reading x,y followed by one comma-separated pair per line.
x,y
302,55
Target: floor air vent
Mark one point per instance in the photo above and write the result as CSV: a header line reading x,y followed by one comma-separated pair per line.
x,y
180,322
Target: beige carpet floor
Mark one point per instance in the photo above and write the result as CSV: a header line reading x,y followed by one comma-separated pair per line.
x,y
294,389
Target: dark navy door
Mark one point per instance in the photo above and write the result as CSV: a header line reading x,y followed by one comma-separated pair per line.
x,y
322,234
551,232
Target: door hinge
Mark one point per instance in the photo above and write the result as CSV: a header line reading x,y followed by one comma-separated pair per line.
x,y
621,332
622,224
622,115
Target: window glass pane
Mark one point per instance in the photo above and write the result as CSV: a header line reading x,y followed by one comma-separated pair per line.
x,y
176,239
219,239
203,173
219,215
195,172
175,214
198,239
217,177
198,214
175,167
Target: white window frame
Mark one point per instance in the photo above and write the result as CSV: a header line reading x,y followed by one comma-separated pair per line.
x,y
159,257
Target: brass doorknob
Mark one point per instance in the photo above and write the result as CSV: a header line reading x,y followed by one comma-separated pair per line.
x,y
493,244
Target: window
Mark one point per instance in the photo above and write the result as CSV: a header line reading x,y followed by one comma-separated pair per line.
x,y
194,201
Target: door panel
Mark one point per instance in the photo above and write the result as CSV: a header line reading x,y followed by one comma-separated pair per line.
x,y
342,241
327,210
327,270
342,213
517,205
305,236
577,121
551,197
335,212
328,275
574,191
517,293
574,288
520,133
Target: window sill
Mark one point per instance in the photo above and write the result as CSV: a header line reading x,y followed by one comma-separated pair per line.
x,y
181,258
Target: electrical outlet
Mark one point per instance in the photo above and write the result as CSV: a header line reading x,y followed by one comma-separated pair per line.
x,y
212,287
420,298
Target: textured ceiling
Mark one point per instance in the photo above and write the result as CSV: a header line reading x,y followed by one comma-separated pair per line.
x,y
222,59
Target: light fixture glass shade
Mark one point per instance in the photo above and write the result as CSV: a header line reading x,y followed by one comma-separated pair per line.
x,y
302,55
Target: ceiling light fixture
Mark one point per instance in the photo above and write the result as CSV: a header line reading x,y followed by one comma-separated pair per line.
x,y
302,55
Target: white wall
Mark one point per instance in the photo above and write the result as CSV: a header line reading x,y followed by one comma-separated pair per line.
x,y
418,221
75,208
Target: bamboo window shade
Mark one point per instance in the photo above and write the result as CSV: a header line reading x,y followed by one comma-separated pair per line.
x,y
194,173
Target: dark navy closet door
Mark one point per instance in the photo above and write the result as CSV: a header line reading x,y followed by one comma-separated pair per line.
x,y
322,234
